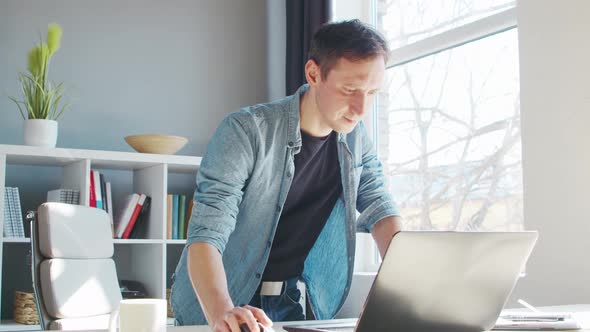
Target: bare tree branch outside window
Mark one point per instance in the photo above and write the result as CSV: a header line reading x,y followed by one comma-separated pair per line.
x,y
449,126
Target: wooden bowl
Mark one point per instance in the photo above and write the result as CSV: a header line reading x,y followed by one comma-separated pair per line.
x,y
161,144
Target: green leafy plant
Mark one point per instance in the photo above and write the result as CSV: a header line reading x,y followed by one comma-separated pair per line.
x,y
41,98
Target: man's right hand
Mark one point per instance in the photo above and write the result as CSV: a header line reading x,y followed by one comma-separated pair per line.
x,y
245,315
205,268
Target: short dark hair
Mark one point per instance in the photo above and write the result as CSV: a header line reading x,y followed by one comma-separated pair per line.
x,y
352,40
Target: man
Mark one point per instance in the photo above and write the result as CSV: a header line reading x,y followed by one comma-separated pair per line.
x,y
277,194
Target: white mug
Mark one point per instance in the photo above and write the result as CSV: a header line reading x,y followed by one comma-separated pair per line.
x,y
140,315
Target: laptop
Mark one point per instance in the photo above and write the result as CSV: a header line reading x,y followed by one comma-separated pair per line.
x,y
440,281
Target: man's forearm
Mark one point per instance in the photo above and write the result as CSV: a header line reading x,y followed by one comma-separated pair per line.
x,y
207,275
384,230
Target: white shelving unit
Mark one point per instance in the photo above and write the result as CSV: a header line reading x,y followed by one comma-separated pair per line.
x,y
145,260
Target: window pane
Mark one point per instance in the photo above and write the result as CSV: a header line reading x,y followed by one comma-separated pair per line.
x,y
406,21
449,137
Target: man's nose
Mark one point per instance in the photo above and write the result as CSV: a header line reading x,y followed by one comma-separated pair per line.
x,y
358,104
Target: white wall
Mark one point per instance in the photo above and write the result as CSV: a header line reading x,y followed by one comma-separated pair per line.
x,y
555,105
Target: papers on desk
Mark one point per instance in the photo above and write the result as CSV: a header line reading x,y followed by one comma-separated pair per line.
x,y
536,321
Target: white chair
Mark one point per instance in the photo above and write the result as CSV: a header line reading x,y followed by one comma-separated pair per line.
x,y
74,275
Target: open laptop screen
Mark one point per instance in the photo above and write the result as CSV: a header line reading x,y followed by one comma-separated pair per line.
x,y
447,281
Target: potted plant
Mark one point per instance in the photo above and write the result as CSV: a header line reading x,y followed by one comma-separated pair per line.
x,y
40,107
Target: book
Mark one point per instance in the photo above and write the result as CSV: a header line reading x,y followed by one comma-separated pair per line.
x,y
174,216
134,216
140,227
189,213
92,198
125,214
17,224
181,213
169,216
7,224
74,197
68,196
110,205
11,211
97,190
15,212
103,192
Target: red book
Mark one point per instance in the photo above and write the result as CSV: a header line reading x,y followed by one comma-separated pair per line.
x,y
92,193
133,218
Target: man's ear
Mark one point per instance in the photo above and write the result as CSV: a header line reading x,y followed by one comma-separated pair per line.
x,y
312,72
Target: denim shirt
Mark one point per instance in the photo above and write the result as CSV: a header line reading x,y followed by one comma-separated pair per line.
x,y
242,184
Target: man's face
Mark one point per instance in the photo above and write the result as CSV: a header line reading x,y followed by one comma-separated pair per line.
x,y
347,93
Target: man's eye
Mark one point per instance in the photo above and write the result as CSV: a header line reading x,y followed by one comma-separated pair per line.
x,y
349,91
373,92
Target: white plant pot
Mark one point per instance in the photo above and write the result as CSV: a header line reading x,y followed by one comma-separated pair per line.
x,y
41,132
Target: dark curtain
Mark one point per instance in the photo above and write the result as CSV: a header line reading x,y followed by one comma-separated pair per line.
x,y
304,17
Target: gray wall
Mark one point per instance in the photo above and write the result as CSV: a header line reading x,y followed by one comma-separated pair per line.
x,y
277,48
555,108
139,66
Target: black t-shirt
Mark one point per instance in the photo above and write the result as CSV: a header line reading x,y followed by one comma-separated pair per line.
x,y
315,188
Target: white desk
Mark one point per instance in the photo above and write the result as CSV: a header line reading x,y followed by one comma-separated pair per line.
x,y
276,327
580,311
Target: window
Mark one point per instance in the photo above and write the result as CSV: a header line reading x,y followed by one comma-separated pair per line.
x,y
447,125
405,22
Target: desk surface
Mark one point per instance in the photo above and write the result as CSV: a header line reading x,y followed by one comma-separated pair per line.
x,y
276,327
581,312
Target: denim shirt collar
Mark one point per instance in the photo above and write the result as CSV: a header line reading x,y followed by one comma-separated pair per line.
x,y
294,126
294,134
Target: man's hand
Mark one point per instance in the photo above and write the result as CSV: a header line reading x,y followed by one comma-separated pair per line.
x,y
246,316
207,275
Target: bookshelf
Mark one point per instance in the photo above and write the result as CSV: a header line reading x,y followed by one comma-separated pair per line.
x,y
150,260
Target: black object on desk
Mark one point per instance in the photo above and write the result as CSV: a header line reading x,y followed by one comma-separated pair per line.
x,y
131,289
245,328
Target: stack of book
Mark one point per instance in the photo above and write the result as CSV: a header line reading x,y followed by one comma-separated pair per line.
x,y
131,220
178,216
100,193
13,216
68,196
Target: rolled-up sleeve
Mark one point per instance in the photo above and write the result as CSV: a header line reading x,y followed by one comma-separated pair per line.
x,y
225,168
373,201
